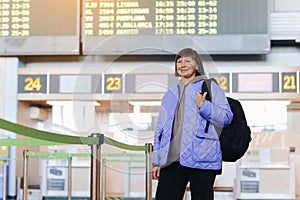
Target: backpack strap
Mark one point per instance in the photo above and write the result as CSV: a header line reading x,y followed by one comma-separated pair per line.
x,y
206,87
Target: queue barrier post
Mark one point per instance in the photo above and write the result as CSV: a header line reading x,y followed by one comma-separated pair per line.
x,y
4,179
149,171
25,174
96,167
69,177
69,167
103,179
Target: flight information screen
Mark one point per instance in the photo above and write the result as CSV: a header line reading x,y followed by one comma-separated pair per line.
x,y
39,27
165,26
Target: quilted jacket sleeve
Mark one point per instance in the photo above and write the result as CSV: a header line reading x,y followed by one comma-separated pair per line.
x,y
157,137
218,111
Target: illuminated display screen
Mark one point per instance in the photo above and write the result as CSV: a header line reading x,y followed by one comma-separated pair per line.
x,y
151,83
148,83
75,84
39,27
164,27
255,82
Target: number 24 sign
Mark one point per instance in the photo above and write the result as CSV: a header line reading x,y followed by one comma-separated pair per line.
x,y
32,84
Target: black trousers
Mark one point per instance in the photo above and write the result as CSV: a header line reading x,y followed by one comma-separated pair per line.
x,y
174,178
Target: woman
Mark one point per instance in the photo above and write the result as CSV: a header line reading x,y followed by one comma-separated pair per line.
x,y
183,152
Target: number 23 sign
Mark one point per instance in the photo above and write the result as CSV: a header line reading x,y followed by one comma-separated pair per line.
x,y
113,83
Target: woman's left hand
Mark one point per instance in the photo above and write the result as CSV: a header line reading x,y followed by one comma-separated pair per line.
x,y
200,98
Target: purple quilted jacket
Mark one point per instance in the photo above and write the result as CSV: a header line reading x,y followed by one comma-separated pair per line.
x,y
198,149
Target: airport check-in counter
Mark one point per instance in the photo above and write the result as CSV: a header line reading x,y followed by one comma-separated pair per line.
x,y
265,173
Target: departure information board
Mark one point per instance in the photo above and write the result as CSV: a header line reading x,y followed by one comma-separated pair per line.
x,y
39,27
165,26
47,27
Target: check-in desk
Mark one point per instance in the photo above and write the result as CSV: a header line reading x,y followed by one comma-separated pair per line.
x,y
260,175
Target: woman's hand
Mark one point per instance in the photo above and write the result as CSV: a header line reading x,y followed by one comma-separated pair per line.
x,y
200,98
155,172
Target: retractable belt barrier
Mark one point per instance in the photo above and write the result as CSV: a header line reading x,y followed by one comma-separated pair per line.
x,y
107,157
62,155
40,137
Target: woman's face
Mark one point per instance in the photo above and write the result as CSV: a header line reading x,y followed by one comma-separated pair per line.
x,y
186,67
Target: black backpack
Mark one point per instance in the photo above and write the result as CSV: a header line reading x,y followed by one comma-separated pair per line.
x,y
236,137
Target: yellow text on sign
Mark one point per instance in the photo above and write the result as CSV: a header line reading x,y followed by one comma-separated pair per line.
x,y
289,82
223,82
113,83
33,84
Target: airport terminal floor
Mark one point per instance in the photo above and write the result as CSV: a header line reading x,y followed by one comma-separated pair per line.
x,y
82,84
